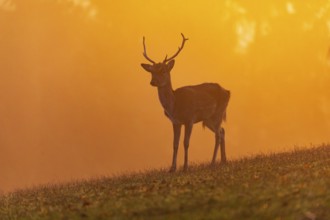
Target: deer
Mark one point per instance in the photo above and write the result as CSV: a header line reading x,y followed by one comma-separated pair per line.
x,y
188,105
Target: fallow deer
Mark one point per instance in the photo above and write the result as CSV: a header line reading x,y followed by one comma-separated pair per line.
x,y
188,105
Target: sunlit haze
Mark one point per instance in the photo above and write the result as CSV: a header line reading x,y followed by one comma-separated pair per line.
x,y
75,102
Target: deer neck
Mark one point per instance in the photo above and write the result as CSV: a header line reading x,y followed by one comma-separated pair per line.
x,y
166,98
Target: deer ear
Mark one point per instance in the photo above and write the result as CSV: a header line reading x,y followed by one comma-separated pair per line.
x,y
170,65
146,67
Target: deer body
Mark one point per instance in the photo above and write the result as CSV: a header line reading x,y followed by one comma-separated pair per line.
x,y
198,103
188,105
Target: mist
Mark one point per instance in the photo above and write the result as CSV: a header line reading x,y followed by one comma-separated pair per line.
x,y
75,102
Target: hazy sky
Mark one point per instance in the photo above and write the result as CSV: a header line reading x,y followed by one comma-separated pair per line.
x,y
75,102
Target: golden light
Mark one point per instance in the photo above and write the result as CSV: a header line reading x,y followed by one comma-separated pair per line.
x,y
76,103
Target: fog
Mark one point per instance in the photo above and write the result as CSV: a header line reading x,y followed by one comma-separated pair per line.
x,y
75,102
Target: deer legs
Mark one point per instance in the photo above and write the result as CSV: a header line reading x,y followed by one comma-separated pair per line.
x,y
216,146
187,133
176,139
219,140
223,145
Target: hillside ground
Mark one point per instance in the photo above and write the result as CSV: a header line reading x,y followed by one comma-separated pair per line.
x,y
290,185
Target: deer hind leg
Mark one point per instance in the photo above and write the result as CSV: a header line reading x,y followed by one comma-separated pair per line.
x,y
223,145
216,145
215,128
176,139
187,134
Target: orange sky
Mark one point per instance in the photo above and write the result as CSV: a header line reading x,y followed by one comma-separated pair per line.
x,y
76,103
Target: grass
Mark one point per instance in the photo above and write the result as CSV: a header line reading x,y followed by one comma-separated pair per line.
x,y
291,185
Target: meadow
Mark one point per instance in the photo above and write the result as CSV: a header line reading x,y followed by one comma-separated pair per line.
x,y
288,185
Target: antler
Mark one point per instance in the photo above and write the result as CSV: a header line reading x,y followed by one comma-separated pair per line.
x,y
145,52
177,53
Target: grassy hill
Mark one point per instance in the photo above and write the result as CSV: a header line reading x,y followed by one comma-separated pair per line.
x,y
292,185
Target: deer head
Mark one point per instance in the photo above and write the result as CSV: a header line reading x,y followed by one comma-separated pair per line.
x,y
160,72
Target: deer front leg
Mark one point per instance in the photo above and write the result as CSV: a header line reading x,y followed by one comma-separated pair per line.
x,y
187,133
176,139
223,145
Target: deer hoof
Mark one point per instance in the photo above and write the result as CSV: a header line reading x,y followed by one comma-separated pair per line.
x,y
172,170
223,162
213,164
